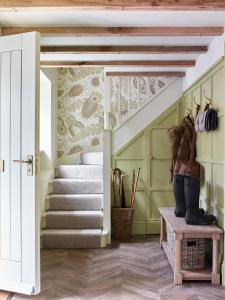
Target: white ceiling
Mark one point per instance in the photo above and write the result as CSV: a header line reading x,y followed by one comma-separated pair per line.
x,y
119,19
112,18
103,57
127,40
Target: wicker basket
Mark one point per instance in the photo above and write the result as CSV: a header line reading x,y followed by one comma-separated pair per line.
x,y
122,220
192,251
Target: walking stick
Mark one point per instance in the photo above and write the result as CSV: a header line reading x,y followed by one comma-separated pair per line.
x,y
135,187
122,192
132,188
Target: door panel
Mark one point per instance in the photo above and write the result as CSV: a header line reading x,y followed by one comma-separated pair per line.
x,y
5,154
15,154
19,127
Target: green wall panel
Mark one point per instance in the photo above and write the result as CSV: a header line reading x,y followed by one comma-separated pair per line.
x,y
151,150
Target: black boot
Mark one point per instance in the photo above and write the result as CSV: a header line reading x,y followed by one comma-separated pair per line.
x,y
178,188
194,215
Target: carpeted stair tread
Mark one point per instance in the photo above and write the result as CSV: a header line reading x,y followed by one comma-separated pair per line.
x,y
74,220
71,238
76,186
75,202
79,171
91,158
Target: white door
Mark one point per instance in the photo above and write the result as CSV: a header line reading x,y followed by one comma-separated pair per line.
x,y
19,136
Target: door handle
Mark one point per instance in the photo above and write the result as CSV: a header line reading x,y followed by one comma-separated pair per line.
x,y
29,163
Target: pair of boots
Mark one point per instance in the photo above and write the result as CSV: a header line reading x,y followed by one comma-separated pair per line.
x,y
187,191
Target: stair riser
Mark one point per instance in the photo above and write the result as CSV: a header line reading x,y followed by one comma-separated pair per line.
x,y
67,204
76,187
70,241
92,158
73,222
79,172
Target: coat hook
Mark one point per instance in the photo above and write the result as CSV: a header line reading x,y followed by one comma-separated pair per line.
x,y
196,102
207,98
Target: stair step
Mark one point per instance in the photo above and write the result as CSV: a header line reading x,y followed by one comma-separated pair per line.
x,y
79,172
75,202
73,220
76,186
71,238
92,158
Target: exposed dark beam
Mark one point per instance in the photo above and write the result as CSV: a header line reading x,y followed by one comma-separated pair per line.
x,y
117,31
113,4
124,49
142,63
146,74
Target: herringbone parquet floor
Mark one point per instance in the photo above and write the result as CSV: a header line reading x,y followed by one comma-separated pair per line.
x,y
133,270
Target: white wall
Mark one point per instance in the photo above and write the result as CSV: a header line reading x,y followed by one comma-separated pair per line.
x,y
205,61
52,75
48,158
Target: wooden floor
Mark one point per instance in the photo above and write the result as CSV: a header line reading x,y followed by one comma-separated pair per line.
x,y
133,270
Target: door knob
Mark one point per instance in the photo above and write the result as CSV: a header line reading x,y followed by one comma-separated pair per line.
x,y
29,163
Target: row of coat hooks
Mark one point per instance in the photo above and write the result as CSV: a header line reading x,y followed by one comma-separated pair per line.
x,y
198,105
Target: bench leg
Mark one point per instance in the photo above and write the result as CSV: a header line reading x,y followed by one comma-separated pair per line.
x,y
177,270
215,273
162,230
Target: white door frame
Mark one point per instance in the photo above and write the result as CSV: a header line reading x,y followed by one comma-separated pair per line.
x,y
27,280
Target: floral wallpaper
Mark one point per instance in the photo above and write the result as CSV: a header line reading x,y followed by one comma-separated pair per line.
x,y
80,107
128,94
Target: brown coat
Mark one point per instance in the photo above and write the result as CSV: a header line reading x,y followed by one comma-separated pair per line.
x,y
183,139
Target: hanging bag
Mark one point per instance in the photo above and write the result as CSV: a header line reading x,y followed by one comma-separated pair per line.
x,y
206,120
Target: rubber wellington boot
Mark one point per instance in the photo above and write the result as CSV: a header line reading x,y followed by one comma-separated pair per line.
x,y
178,188
195,215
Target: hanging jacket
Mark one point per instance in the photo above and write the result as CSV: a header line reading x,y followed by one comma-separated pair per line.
x,y
183,138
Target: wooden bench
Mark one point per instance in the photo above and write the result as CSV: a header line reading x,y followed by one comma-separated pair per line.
x,y
183,231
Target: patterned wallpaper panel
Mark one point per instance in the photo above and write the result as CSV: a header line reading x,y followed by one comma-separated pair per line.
x,y
128,94
80,106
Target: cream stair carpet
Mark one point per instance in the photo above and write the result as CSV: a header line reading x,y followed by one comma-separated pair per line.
x,y
74,215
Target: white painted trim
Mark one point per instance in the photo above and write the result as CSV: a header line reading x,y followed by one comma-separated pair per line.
x,y
105,238
146,115
17,288
107,182
204,61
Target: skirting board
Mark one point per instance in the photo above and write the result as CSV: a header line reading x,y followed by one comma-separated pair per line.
x,y
139,227
153,226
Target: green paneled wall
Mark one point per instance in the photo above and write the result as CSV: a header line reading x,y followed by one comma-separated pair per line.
x,y
151,151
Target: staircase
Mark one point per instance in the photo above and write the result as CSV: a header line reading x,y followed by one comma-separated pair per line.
x,y
152,108
74,213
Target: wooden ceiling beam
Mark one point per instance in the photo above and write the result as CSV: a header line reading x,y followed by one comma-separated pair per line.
x,y
117,31
146,74
123,49
12,5
142,63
